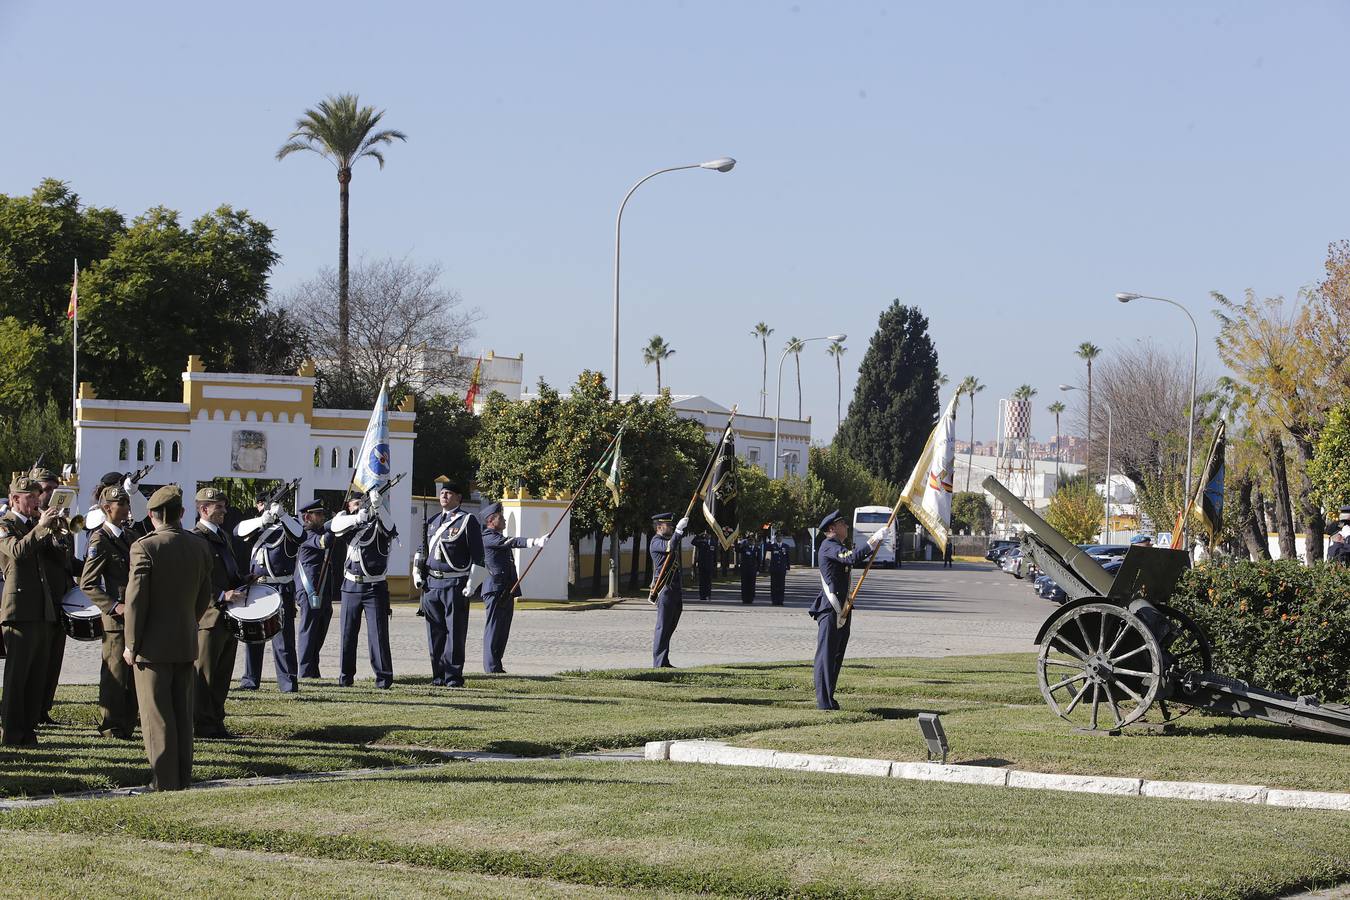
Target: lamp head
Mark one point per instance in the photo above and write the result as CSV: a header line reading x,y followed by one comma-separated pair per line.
x,y
725,164
1067,387
1126,298
837,338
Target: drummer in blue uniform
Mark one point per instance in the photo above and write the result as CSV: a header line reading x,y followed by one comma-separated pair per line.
x,y
276,537
454,545
748,552
499,579
316,587
778,567
369,530
705,558
669,599
837,559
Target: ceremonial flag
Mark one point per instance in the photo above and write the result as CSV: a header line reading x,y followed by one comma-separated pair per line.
x,y
372,463
1210,495
719,492
928,493
74,294
472,395
610,465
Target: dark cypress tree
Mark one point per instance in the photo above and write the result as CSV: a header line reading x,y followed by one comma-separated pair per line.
x,y
895,404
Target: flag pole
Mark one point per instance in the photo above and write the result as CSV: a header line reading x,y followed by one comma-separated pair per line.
x,y
75,348
853,594
575,497
712,460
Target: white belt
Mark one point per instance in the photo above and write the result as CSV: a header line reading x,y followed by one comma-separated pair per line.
x,y
434,575
364,579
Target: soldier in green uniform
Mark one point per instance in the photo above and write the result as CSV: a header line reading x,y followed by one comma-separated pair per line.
x,y
28,611
216,643
63,543
168,588
104,581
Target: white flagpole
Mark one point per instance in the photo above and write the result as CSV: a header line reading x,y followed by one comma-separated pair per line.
x,y
75,348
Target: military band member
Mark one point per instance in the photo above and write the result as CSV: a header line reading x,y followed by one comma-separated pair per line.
x,y
499,569
705,559
778,568
93,518
216,643
749,554
669,599
63,542
28,612
369,530
107,565
316,587
170,586
836,564
454,545
276,537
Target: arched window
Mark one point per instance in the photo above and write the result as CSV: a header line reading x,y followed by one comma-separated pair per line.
x,y
123,448
332,459
175,452
140,451
159,451
318,457
351,458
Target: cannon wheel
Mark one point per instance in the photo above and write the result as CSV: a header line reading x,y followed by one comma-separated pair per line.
x,y
1190,651
1100,667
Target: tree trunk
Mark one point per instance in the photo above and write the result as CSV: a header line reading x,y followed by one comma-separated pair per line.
x,y
635,563
1308,507
838,394
344,310
658,376
797,357
1284,512
1259,512
970,457
1252,538
764,376
576,563
1087,469
595,562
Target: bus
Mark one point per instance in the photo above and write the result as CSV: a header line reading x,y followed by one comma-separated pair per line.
x,y
867,520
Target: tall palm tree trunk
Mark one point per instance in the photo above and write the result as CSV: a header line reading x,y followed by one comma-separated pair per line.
x,y
1284,510
658,376
1059,456
970,457
798,358
1087,469
344,309
764,376
838,393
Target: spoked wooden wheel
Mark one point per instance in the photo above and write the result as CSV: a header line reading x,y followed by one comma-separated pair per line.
x,y
1100,668
1189,651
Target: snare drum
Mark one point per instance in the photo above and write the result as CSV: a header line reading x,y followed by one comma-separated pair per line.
x,y
257,617
83,620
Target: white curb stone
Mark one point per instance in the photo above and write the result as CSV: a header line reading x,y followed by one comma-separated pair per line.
x,y
923,771
1087,784
1199,790
839,765
657,750
720,754
1309,799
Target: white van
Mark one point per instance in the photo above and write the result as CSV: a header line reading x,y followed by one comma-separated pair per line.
x,y
866,521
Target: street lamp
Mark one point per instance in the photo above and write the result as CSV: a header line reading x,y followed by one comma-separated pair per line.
x,y
1190,422
779,412
1106,521
721,164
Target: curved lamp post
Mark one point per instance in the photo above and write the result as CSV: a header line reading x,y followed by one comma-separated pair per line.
x,y
1106,521
779,412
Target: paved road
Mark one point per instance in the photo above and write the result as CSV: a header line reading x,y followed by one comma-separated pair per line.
x,y
920,610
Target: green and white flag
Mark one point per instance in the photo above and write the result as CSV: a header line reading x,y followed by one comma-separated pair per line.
x,y
610,465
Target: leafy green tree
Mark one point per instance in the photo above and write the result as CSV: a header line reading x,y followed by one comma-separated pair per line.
x,y
895,404
971,512
1330,466
657,350
1076,511
342,132
21,348
445,433
843,478
33,431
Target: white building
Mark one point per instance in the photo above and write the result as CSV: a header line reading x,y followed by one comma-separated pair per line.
x,y
1043,474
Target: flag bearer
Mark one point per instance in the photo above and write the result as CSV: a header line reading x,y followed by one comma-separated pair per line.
x,y
836,564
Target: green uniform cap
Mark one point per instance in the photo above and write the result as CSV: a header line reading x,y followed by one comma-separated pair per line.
x,y
24,485
170,495
210,495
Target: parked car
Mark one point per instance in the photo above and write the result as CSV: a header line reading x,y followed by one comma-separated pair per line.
x,y
1011,562
996,549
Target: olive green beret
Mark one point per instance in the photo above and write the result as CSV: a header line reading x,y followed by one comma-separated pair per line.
x,y
210,495
114,493
43,475
170,495
24,485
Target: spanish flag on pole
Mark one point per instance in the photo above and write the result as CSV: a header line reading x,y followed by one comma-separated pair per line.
x,y
928,493
74,294
474,379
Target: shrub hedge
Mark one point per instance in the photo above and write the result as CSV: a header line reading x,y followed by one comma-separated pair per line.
x,y
1279,624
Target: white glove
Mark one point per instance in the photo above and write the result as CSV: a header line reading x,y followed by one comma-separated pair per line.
x,y
537,542
682,525
363,515
477,575
877,537
417,571
375,498
270,517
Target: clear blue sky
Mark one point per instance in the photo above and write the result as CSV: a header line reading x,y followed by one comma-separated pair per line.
x,y
1005,167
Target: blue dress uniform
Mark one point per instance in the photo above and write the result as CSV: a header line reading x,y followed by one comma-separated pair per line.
x,y
315,600
670,599
749,554
836,566
365,590
778,567
499,561
454,542
272,560
705,558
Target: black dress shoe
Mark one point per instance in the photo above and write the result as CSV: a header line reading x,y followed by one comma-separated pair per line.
x,y
454,682
46,720
438,682
246,687
344,682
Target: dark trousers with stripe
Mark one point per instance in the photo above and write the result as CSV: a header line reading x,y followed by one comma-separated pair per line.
x,y
777,587
283,649
668,610
371,601
313,631
831,642
496,629
447,613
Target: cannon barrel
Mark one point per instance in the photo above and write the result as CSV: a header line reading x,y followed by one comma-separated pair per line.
x,y
1082,565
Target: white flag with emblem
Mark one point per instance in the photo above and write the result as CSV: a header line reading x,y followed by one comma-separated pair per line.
x,y
928,493
372,463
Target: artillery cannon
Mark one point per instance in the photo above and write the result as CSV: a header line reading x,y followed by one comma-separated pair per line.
x,y
1115,654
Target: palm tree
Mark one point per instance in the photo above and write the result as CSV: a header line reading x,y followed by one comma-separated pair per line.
x,y
971,385
762,331
1056,408
794,346
1025,392
341,132
655,351
837,350
1088,351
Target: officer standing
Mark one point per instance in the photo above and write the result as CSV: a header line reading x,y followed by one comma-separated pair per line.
x,y
64,546
499,563
454,545
836,564
705,558
778,568
169,587
216,643
749,553
669,599
316,585
107,565
32,566
276,543
369,530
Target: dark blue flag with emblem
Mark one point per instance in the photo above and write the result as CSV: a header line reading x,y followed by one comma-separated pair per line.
x,y
1211,494
720,490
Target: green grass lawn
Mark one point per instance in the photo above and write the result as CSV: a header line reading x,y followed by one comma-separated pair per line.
x,y
662,827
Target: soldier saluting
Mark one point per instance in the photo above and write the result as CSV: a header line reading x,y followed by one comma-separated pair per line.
x,y
454,545
669,598
499,599
368,530
276,543
778,567
107,566
837,560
